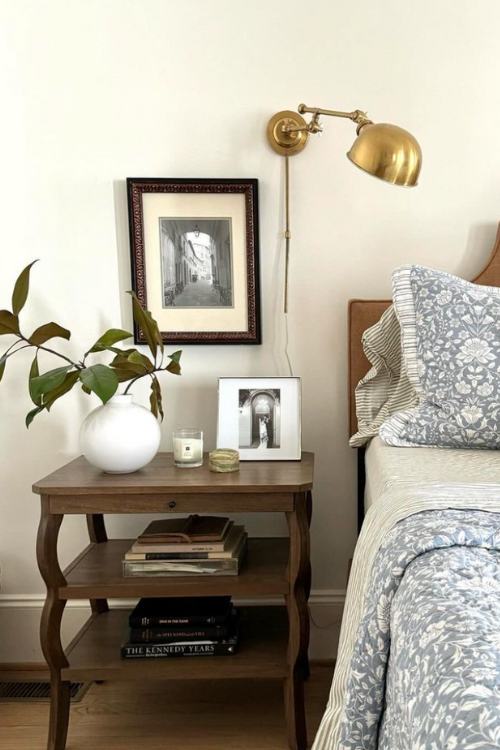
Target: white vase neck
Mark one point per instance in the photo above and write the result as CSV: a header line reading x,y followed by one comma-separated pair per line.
x,y
124,399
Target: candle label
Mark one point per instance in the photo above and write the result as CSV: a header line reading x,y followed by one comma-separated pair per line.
x,y
186,449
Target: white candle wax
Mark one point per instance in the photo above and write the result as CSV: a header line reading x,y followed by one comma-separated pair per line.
x,y
188,450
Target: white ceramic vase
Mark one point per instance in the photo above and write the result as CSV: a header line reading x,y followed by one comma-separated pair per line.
x,y
120,437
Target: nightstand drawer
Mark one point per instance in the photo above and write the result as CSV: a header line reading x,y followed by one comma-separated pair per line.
x,y
227,502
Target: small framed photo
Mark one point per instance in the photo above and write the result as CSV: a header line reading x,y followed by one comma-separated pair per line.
x,y
195,258
260,417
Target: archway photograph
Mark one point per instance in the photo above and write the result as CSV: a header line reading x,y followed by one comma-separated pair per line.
x,y
196,262
260,417
259,422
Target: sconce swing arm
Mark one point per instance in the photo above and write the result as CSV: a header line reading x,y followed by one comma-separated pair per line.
x,y
314,126
385,151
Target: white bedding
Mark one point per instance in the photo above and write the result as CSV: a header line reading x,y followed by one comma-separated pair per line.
x,y
388,467
403,481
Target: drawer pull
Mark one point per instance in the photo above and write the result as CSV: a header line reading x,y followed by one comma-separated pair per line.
x,y
172,504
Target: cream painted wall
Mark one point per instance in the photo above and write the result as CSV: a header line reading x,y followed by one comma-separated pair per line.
x,y
94,91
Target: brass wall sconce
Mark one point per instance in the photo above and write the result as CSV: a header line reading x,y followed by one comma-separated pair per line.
x,y
383,150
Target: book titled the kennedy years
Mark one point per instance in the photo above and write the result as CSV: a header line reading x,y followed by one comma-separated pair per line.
x,y
203,610
196,648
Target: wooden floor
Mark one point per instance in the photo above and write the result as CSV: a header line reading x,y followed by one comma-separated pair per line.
x,y
234,715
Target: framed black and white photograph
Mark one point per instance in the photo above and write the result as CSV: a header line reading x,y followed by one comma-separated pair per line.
x,y
260,417
195,258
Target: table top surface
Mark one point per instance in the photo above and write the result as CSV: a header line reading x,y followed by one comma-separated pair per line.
x,y
161,475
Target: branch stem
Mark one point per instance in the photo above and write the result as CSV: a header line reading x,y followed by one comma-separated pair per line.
x,y
9,350
10,353
51,351
143,375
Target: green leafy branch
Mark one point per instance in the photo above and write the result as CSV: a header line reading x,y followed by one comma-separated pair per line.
x,y
127,365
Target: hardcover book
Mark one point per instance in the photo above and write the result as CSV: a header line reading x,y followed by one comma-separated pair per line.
x,y
196,547
190,530
142,552
203,610
224,567
169,634
197,648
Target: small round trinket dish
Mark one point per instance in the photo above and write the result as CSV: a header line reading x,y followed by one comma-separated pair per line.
x,y
224,460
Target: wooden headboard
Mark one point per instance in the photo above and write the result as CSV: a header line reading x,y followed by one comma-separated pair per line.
x,y
363,313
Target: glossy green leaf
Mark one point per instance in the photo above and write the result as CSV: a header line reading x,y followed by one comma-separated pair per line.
x,y
47,382
153,402
155,331
155,398
146,324
32,414
21,288
174,368
3,362
86,390
137,358
123,375
108,339
34,373
49,331
123,364
174,365
132,361
176,356
69,381
102,380
9,323
121,352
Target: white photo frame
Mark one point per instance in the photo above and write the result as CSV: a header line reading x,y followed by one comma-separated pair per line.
x,y
260,417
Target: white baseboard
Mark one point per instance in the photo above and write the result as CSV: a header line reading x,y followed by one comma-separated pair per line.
x,y
318,596
20,614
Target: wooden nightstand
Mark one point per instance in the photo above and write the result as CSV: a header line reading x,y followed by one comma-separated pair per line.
x,y
269,647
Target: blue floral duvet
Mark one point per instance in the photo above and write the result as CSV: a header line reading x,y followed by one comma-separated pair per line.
x,y
425,673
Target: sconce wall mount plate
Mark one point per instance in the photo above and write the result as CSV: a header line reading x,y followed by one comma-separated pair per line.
x,y
281,139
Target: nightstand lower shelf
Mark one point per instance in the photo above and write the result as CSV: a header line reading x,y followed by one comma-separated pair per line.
x,y
97,573
95,652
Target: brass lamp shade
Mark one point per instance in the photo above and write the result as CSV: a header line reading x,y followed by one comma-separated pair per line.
x,y
388,152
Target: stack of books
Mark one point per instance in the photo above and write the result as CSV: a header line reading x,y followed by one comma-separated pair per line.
x,y
202,626
196,545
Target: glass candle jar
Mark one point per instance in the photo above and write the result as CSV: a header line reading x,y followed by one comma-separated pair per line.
x,y
188,448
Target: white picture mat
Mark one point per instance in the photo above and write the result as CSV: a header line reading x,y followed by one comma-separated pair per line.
x,y
290,417
200,205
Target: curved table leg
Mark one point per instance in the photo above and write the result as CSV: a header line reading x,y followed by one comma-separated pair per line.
x,y
59,714
307,584
298,618
97,534
50,625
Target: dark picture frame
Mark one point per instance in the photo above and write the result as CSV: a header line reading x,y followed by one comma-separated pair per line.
x,y
200,293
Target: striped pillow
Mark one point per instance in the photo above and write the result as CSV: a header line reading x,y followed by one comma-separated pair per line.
x,y
385,389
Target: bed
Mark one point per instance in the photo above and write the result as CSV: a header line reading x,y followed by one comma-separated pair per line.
x,y
388,468
418,664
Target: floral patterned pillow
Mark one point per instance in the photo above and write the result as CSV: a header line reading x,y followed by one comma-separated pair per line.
x,y
451,342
